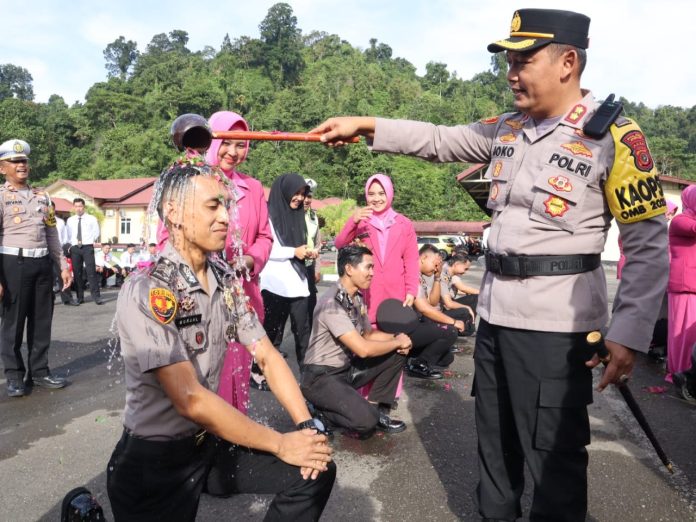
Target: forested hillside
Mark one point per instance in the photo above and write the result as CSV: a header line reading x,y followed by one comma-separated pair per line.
x,y
289,81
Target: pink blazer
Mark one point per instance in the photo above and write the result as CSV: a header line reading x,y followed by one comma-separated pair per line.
x,y
397,274
682,247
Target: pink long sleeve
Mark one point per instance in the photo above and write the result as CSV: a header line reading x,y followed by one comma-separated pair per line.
x,y
348,233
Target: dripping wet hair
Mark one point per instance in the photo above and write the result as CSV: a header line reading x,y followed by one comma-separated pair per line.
x,y
174,182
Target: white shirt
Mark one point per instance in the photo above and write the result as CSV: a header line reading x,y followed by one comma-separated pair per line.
x,y
108,260
90,229
278,276
63,236
128,260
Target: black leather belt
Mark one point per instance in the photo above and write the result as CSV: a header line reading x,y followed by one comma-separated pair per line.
x,y
527,266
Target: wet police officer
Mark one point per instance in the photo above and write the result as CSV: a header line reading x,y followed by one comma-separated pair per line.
x,y
29,244
175,321
560,170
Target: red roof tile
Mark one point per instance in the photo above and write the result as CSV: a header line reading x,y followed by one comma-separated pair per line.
x,y
62,205
110,189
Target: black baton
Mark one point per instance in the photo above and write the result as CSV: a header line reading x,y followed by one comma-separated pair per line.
x,y
595,340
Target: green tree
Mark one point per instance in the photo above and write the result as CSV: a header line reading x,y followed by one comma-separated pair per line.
x,y
120,56
280,35
15,82
335,217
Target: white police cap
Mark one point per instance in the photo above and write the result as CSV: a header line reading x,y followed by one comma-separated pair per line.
x,y
14,149
311,184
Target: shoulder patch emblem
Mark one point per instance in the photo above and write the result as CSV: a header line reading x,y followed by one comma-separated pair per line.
x,y
164,270
633,190
163,304
490,121
635,141
576,113
494,191
577,148
508,138
514,124
555,206
561,183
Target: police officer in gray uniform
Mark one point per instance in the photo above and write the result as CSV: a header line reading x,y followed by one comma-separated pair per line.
x,y
174,323
29,245
554,190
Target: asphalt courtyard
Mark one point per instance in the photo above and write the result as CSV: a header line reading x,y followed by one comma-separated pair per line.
x,y
53,441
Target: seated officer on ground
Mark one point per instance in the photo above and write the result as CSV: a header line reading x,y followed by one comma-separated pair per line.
x,y
174,323
345,353
454,293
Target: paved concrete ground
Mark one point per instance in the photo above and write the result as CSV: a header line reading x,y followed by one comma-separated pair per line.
x,y
53,441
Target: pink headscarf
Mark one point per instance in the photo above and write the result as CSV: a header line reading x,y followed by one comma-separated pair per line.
x,y
688,197
384,219
224,121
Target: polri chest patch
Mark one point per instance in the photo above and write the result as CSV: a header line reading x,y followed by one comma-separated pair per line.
x,y
163,304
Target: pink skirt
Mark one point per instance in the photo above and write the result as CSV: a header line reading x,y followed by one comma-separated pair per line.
x,y
681,335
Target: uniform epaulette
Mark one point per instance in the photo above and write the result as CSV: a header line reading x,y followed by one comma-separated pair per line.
x,y
164,270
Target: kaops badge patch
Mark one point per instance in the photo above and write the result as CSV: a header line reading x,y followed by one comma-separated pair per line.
x,y
633,189
163,304
508,138
555,206
561,183
577,148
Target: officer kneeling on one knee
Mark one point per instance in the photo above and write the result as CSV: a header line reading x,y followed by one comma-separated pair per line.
x,y
29,245
174,323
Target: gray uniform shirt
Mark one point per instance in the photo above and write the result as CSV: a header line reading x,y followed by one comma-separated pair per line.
x,y
164,317
425,286
27,221
332,319
554,193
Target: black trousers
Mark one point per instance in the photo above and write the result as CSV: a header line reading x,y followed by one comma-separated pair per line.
x,y
312,300
277,309
532,390
334,390
27,300
84,255
156,480
469,300
432,342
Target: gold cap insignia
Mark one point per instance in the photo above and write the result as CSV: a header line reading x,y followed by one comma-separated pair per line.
x,y
516,22
18,147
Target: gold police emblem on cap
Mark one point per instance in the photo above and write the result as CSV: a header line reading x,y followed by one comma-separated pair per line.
x,y
18,147
516,22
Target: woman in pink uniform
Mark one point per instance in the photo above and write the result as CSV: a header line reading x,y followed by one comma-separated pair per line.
x,y
392,239
681,289
256,241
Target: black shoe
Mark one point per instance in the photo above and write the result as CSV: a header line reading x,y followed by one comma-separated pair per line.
x,y
15,388
50,381
71,303
99,301
80,301
422,370
389,425
263,385
681,381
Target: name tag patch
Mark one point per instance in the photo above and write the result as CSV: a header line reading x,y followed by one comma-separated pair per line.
x,y
188,320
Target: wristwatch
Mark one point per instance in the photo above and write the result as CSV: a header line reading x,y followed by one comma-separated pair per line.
x,y
312,424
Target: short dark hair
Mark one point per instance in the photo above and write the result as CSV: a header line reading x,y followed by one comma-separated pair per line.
x,y
557,49
152,244
428,248
458,257
130,245
350,255
79,200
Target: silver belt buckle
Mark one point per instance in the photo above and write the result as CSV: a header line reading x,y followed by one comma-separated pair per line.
x,y
200,437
